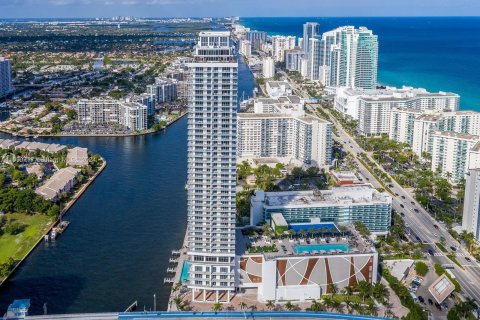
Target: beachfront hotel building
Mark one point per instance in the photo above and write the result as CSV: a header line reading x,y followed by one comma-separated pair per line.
x,y
471,207
279,129
348,57
342,205
5,76
454,154
131,115
256,38
293,59
415,127
372,108
212,135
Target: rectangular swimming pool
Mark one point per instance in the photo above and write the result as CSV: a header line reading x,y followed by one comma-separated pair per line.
x,y
185,269
309,248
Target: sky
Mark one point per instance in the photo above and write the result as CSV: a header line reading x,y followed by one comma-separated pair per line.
x,y
242,8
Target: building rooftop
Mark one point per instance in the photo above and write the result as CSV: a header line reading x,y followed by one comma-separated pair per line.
x,y
441,288
352,195
57,182
457,135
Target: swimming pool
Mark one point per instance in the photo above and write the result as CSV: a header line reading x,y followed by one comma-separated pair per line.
x,y
319,247
184,275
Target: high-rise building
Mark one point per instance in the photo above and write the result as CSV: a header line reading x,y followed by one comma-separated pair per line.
x,y
314,59
280,129
212,135
5,76
293,59
256,38
471,207
164,89
280,44
451,153
352,55
268,68
310,30
245,48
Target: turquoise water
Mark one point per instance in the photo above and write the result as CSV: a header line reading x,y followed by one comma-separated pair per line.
x,y
185,269
436,53
318,247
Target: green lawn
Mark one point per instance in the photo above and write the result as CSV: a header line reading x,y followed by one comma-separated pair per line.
x,y
18,245
441,247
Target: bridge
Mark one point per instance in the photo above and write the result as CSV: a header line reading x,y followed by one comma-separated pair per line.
x,y
291,315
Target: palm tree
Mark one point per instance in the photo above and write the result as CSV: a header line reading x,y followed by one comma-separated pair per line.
x,y
380,292
328,302
356,307
216,307
291,232
178,303
364,288
316,306
337,306
312,232
303,233
242,305
323,230
289,306
270,304
332,288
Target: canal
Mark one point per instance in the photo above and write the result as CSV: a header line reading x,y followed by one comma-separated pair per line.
x,y
122,229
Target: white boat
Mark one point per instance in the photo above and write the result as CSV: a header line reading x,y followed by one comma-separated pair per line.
x,y
53,234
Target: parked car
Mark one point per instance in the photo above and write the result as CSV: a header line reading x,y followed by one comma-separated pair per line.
x,y
435,226
402,214
453,248
430,252
438,306
430,302
402,206
468,259
420,298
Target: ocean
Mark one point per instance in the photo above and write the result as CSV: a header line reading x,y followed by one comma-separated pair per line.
x,y
435,53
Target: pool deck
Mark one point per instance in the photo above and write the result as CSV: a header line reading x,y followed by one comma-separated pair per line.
x,y
178,273
286,245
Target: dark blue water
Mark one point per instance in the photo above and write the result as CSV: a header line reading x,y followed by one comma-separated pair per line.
x,y
123,228
433,53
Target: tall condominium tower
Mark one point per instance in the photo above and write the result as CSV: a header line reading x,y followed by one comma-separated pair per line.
x,y
5,77
310,30
212,133
353,59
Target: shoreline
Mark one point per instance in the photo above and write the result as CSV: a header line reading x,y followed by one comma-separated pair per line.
x,y
133,134
63,212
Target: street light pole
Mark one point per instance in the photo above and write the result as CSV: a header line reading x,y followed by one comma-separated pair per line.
x,y
154,302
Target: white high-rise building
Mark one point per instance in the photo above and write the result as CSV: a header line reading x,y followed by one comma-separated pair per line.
x,y
351,56
280,44
279,128
164,89
372,108
132,115
471,207
268,68
451,153
212,135
245,48
5,76
310,30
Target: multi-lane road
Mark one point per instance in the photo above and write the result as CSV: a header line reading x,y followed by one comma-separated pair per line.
x,y
421,227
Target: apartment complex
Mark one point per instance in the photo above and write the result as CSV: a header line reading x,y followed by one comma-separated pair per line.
x,y
293,59
471,208
344,57
256,38
372,108
212,135
279,128
5,76
164,89
245,48
280,44
268,68
131,115
453,153
346,204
